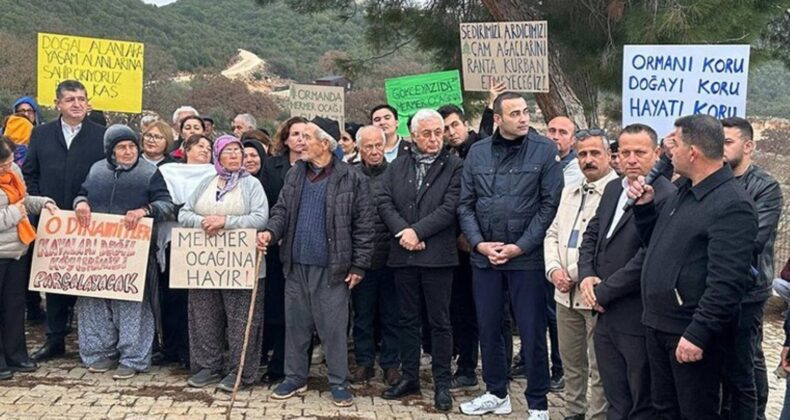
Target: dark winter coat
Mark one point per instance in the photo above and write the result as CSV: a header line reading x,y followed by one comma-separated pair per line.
x,y
381,238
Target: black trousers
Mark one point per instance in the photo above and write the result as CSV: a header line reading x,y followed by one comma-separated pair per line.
x,y
464,320
745,382
551,318
59,308
376,307
688,391
13,284
175,318
434,285
625,373
274,315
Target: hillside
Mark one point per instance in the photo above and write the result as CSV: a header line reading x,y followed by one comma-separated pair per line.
x,y
191,35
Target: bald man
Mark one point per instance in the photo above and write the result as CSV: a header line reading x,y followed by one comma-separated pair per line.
x,y
562,132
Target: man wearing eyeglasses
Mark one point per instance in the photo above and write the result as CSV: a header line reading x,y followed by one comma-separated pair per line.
x,y
60,155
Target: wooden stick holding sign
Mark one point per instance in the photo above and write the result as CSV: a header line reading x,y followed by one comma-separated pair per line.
x,y
247,331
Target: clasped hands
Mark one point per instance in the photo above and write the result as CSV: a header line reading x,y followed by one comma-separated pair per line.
x,y
498,253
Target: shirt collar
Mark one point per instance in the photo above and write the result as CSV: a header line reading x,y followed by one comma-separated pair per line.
x,y
568,158
710,183
599,185
71,128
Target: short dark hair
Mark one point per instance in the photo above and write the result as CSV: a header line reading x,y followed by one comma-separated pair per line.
x,y
7,148
705,132
383,106
504,97
195,139
640,128
747,132
192,117
71,85
450,109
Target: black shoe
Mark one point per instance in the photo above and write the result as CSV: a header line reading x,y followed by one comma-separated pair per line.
x,y
442,400
362,375
401,389
6,374
575,417
26,366
48,351
463,382
36,315
557,383
203,378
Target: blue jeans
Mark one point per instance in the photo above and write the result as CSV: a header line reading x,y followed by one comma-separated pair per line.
x,y
528,298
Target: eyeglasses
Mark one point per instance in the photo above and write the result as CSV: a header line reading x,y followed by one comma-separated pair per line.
x,y
592,132
26,111
153,136
231,152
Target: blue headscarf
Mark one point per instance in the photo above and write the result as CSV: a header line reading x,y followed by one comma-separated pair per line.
x,y
32,102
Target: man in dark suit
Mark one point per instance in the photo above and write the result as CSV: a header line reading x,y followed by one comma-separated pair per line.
x,y
611,281
60,155
700,246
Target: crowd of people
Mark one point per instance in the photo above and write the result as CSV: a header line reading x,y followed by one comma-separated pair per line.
x,y
632,267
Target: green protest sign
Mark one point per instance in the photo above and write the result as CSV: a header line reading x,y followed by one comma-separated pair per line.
x,y
409,94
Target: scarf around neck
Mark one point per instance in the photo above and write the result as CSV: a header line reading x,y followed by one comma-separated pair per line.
x,y
423,162
14,188
231,178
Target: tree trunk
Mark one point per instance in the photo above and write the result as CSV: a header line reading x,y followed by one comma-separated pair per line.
x,y
561,98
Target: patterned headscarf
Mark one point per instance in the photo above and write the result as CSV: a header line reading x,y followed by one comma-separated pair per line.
x,y
231,178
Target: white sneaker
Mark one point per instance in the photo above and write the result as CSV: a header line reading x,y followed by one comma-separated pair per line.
x,y
487,403
538,415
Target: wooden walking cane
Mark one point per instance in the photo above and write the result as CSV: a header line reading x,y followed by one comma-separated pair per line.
x,y
246,335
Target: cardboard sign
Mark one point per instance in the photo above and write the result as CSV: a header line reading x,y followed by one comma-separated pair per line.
x,y
311,101
104,260
512,52
409,94
223,261
112,71
664,82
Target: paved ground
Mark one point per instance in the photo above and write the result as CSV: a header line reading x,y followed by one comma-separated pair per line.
x,y
64,389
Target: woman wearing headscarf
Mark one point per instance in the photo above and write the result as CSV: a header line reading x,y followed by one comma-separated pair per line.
x,y
28,107
288,142
157,140
231,199
117,332
182,180
16,234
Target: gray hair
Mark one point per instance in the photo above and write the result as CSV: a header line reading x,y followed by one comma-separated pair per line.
x,y
378,131
249,119
184,108
425,114
323,135
148,119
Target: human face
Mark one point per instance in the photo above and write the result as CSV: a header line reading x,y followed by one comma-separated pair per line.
x,y
682,153
295,140
199,153
191,127
26,110
371,148
561,132
385,120
346,143
125,152
209,127
736,147
154,143
456,131
240,126
593,158
637,154
315,149
614,162
6,166
73,105
428,136
252,160
231,157
514,121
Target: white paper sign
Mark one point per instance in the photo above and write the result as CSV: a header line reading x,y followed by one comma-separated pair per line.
x,y
664,82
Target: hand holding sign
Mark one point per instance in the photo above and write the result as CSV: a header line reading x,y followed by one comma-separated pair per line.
x,y
51,207
132,217
83,211
263,240
213,224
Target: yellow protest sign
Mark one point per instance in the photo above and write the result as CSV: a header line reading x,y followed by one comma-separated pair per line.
x,y
111,70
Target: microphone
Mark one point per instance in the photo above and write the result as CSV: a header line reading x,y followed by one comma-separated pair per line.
x,y
663,164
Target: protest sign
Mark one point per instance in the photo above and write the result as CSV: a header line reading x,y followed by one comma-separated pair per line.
x,y
310,101
223,261
409,94
112,71
664,82
103,260
515,53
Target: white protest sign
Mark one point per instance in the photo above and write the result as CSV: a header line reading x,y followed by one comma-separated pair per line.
x,y
103,260
310,101
515,53
664,82
223,261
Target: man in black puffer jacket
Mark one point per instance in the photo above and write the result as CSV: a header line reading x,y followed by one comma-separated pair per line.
x,y
746,379
377,293
418,202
